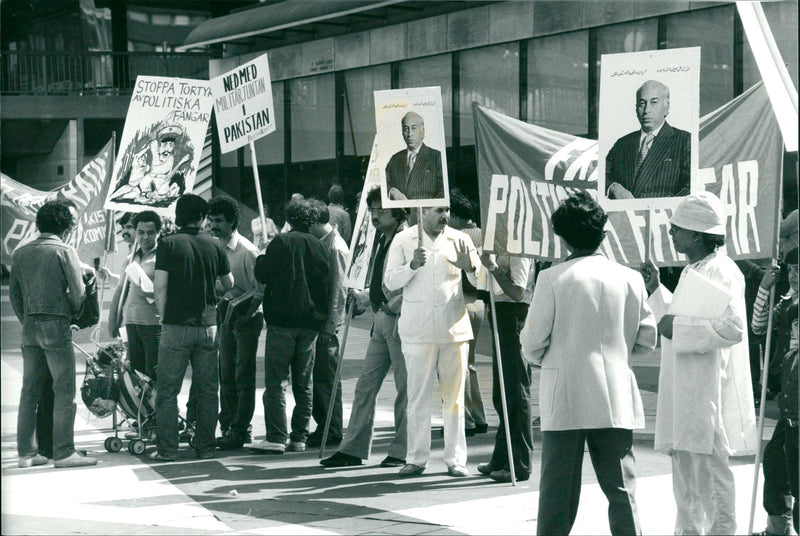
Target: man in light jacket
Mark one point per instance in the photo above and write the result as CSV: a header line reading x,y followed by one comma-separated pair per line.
x,y
705,398
587,317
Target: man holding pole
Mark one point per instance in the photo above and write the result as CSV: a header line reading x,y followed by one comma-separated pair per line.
x,y
383,352
426,262
327,351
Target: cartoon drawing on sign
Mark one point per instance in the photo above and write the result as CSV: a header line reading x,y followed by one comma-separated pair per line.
x,y
155,165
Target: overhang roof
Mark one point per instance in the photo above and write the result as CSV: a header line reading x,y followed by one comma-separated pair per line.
x,y
293,21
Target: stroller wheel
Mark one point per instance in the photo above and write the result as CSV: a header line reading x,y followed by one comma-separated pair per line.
x,y
191,441
136,447
113,444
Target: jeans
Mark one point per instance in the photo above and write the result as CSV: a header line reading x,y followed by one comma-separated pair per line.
x,y
47,345
288,351
474,413
510,318
325,362
780,476
143,343
384,351
179,346
44,417
238,344
611,450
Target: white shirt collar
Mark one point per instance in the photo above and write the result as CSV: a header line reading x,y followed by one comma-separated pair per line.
x,y
654,132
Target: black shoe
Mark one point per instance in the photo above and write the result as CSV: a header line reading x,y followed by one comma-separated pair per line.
x,y
481,428
204,454
340,459
230,441
486,468
391,461
504,475
469,432
315,440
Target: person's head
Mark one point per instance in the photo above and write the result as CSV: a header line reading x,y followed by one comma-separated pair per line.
x,y
434,219
55,217
299,215
652,105
126,222
413,130
384,220
190,211
223,217
580,221
790,259
461,210
322,217
698,225
148,227
336,195
166,140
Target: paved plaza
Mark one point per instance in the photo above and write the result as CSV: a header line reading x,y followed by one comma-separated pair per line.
x,y
243,493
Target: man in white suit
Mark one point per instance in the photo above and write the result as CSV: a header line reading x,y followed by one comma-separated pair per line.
x,y
587,317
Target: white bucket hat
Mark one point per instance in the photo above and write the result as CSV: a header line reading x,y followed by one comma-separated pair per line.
x,y
701,212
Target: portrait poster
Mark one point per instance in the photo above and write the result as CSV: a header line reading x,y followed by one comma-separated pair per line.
x,y
161,144
243,104
359,258
648,126
411,156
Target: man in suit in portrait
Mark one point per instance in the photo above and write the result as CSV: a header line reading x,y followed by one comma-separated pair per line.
x,y
415,172
654,161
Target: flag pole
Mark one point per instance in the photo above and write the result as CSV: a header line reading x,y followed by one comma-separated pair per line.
x,y
109,230
502,383
261,215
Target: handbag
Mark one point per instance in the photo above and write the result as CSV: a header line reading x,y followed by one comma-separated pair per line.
x,y
90,311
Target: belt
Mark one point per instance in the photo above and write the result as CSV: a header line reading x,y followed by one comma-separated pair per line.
x,y
384,308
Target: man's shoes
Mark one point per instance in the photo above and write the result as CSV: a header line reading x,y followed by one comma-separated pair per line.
x,y
75,460
486,468
156,456
31,461
340,459
204,454
391,461
504,475
457,470
411,469
231,441
315,440
268,447
295,446
469,432
481,428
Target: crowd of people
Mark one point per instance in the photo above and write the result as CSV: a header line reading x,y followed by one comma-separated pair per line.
x,y
202,295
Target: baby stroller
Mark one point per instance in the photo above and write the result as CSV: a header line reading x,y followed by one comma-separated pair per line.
x,y
111,384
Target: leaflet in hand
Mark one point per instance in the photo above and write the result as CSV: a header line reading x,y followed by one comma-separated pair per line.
x,y
699,296
137,276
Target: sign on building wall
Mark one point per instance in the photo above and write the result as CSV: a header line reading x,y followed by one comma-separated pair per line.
x,y
243,104
161,144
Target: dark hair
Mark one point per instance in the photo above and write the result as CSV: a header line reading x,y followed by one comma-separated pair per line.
x,y
54,217
125,218
321,213
461,206
147,216
580,221
190,209
374,196
712,241
226,206
791,257
336,194
300,215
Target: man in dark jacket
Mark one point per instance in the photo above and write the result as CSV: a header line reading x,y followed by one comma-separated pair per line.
x,y
295,272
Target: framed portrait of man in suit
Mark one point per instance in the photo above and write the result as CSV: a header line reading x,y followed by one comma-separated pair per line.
x,y
648,128
411,147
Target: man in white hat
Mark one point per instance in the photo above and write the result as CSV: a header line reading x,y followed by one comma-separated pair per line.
x,y
705,399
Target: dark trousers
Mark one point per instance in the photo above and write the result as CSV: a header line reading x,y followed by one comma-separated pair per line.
x,y
290,352
44,416
611,450
238,344
510,318
143,343
780,472
325,362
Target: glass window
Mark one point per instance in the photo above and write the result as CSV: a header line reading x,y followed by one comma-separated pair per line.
x,y
359,107
782,19
269,149
490,77
558,82
433,71
712,30
313,110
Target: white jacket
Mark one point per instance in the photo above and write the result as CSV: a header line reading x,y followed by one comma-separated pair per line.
x,y
704,384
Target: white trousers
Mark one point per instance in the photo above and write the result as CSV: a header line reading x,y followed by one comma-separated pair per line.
x,y
449,362
705,492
